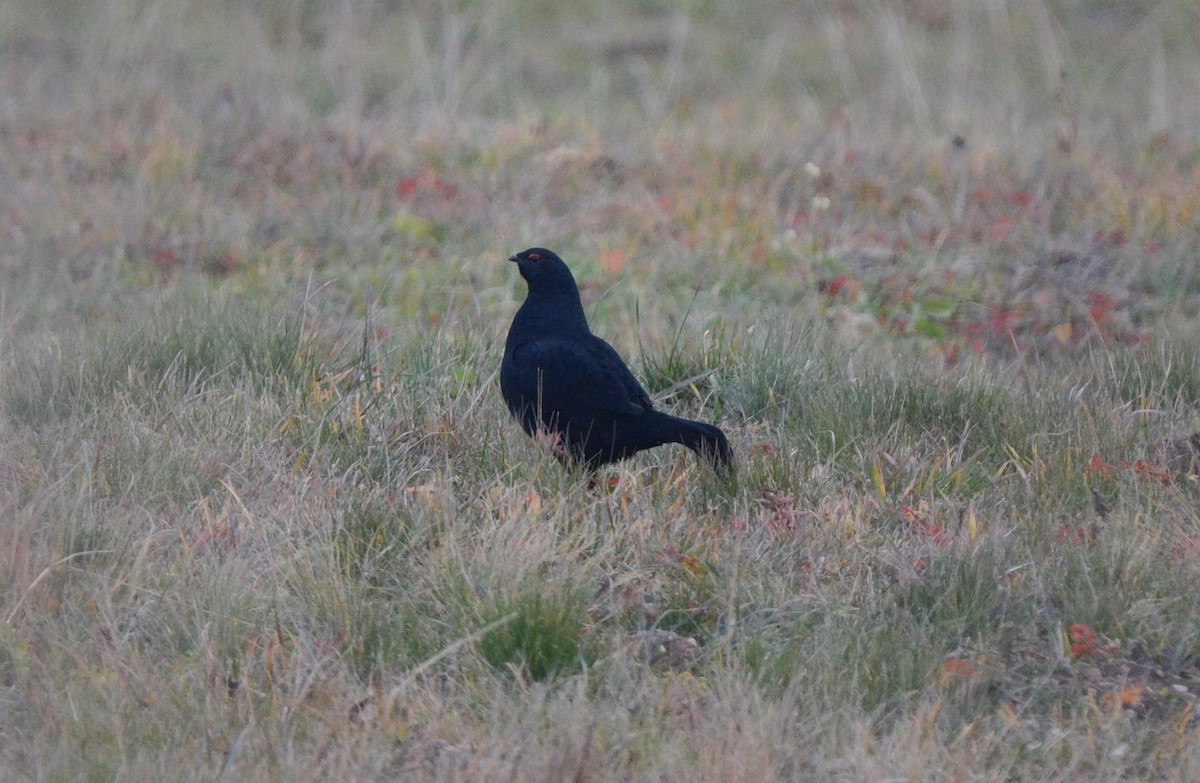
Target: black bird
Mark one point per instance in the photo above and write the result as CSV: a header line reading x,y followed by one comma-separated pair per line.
x,y
561,380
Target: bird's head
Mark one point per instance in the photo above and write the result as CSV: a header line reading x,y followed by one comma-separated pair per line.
x,y
543,269
552,306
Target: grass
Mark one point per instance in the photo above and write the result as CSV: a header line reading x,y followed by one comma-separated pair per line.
x,y
929,265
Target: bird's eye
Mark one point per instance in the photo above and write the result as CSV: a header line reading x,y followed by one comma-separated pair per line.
x,y
535,256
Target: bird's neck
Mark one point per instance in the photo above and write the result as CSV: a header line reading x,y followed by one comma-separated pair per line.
x,y
555,315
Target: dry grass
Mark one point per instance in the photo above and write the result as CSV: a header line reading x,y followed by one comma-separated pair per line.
x,y
263,516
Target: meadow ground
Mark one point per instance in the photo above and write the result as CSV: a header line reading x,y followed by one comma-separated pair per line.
x,y
931,265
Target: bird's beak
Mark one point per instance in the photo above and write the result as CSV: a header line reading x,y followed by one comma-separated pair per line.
x,y
513,258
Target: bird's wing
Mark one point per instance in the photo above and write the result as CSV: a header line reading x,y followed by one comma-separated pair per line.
x,y
611,360
580,379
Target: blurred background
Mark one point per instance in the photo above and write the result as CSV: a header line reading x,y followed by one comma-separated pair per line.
x,y
152,136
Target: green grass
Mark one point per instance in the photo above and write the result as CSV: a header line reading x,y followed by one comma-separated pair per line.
x,y
929,265
538,635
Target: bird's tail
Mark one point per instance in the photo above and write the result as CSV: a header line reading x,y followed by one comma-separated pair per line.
x,y
704,439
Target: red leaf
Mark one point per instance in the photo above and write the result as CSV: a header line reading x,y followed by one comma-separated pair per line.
x,y
1098,467
1021,198
1084,642
1150,470
1073,535
956,670
427,182
1002,227
1003,322
1100,306
840,285
613,261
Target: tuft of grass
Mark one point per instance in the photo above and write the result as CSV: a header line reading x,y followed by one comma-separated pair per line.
x,y
182,349
1168,377
371,542
544,638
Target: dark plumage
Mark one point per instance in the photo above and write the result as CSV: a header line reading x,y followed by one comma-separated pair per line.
x,y
559,378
